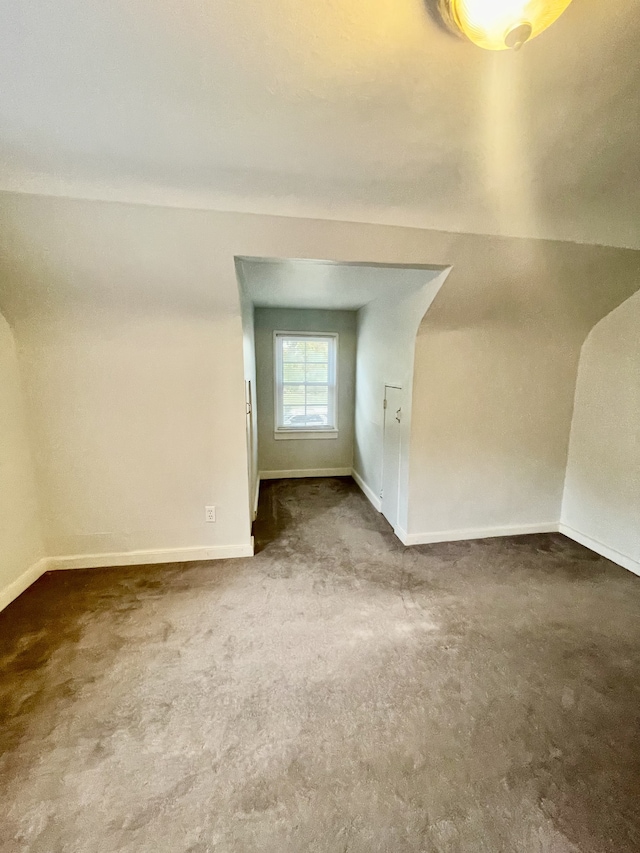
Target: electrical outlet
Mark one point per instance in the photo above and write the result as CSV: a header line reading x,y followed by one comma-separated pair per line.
x,y
210,514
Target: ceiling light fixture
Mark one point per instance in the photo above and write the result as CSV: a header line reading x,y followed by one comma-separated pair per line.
x,y
501,24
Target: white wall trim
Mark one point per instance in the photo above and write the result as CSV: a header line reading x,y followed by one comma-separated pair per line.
x,y
474,533
600,548
403,536
123,558
18,586
305,472
304,435
223,552
333,390
138,558
368,492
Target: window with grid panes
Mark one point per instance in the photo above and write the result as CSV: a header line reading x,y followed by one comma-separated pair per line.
x,y
305,381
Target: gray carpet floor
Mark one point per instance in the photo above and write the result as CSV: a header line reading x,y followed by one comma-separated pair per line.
x,y
337,693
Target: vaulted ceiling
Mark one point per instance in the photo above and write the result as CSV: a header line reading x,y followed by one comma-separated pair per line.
x,y
347,109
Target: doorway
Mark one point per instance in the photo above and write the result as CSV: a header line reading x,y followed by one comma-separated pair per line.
x,y
386,304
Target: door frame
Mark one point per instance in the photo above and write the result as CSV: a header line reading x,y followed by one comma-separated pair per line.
x,y
251,436
384,431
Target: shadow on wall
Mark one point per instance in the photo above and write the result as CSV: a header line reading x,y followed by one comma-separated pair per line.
x,y
434,10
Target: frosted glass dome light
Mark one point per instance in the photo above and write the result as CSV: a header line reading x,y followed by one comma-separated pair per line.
x,y
502,24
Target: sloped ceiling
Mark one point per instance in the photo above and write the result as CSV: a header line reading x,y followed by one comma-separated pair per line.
x,y
294,283
346,109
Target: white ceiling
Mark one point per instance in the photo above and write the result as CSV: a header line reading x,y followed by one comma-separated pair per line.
x,y
289,283
344,109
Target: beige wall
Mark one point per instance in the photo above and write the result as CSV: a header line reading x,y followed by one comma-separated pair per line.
x,y
305,454
602,491
131,436
130,340
490,430
20,542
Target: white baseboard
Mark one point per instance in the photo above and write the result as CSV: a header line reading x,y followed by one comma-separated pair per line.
x,y
125,558
305,472
18,586
403,536
139,558
370,495
600,548
474,533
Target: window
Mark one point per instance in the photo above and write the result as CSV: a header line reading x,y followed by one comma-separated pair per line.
x,y
305,385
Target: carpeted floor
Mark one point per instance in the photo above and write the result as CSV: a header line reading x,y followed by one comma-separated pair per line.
x,y
337,693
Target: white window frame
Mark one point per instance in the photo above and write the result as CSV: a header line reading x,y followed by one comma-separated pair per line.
x,y
282,432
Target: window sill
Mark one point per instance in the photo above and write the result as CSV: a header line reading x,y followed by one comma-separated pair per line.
x,y
292,434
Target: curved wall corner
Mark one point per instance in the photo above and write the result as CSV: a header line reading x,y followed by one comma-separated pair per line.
x,y
601,503
387,329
